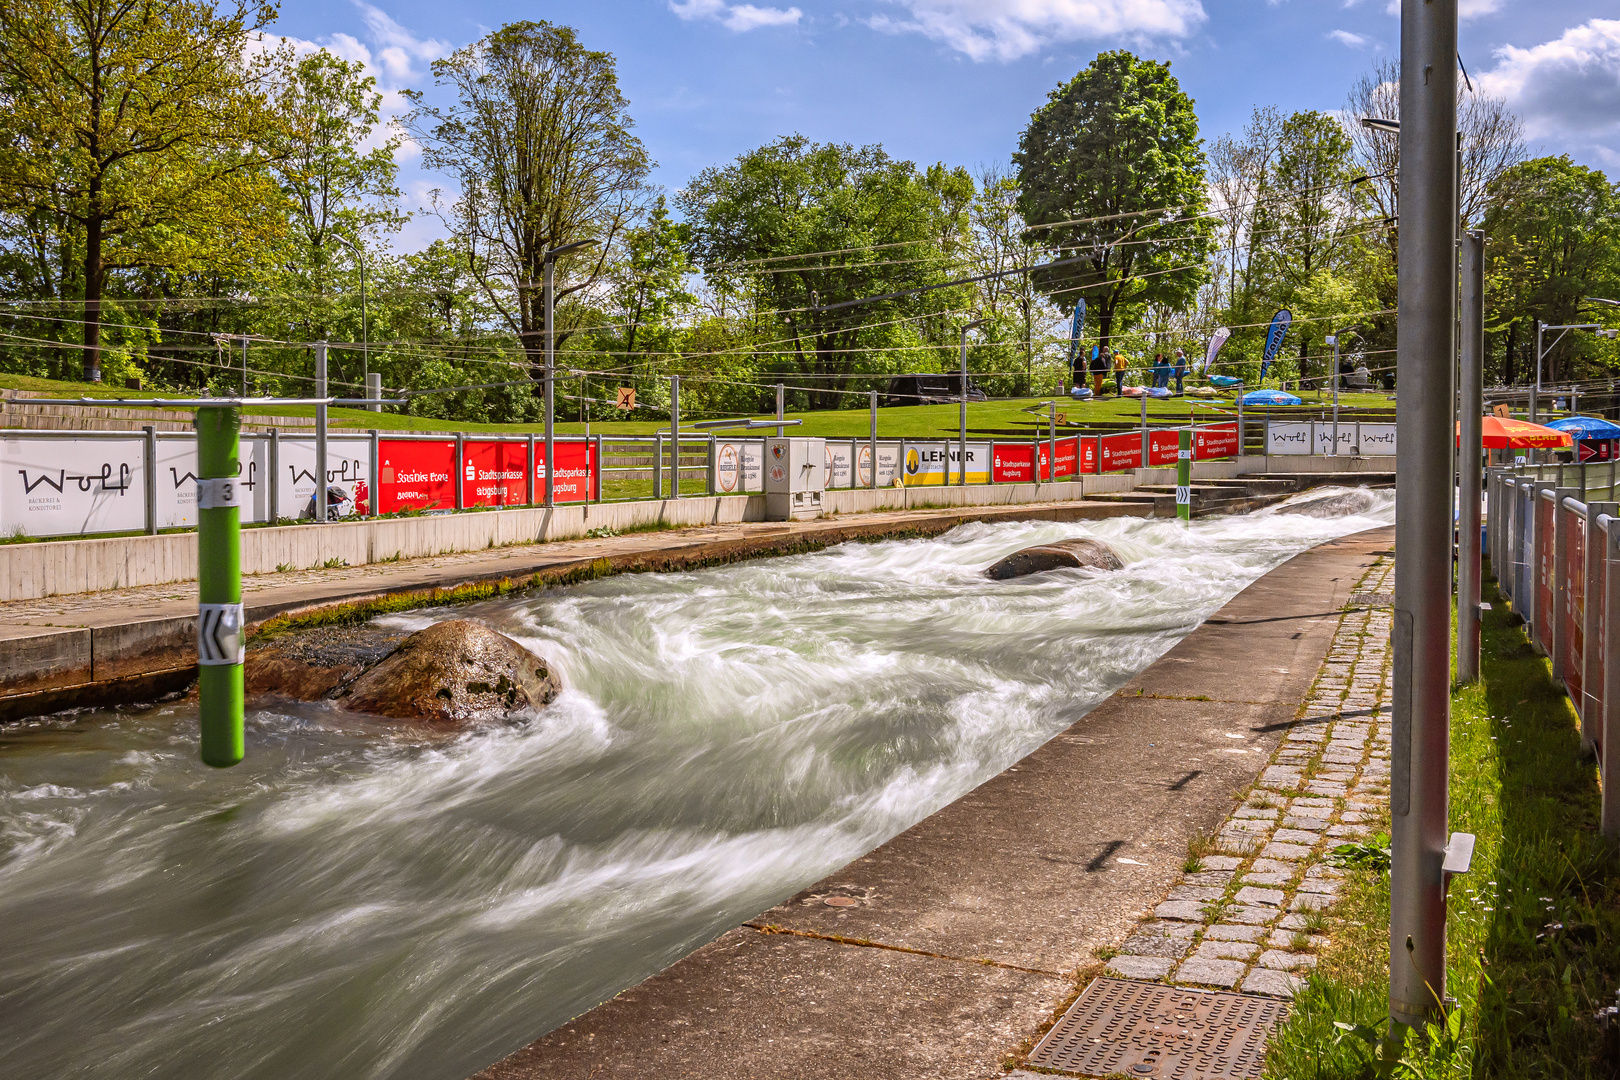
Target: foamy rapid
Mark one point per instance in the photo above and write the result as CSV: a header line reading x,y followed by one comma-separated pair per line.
x,y
347,904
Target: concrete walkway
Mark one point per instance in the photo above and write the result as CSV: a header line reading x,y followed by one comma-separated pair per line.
x,y
949,950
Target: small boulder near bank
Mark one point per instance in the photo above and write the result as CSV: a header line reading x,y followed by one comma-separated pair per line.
x,y
453,672
1079,552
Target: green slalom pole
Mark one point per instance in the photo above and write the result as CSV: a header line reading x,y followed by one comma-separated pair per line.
x,y
1184,475
219,586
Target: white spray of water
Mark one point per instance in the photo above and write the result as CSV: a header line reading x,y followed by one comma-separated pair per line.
x,y
345,904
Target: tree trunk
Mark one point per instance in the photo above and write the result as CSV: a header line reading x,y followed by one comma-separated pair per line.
x,y
94,282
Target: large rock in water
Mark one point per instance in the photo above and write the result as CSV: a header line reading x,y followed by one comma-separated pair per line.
x,y
453,672
1080,552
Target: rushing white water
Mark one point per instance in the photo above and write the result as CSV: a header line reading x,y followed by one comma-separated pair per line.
x,y
352,903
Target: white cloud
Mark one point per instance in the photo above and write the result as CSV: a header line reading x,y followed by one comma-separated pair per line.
x,y
1353,41
1569,86
1008,29
737,17
399,50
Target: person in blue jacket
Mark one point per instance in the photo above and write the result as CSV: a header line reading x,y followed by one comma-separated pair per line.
x,y
1181,370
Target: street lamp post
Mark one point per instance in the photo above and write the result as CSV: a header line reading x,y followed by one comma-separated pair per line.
x,y
961,477
548,301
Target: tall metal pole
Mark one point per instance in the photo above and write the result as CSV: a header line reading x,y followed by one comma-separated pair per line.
x,y
1471,403
674,436
549,303
1427,289
961,417
320,432
871,441
1536,392
244,365
781,395
219,586
1335,395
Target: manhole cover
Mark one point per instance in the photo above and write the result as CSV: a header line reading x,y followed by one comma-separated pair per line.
x,y
1151,1030
1371,599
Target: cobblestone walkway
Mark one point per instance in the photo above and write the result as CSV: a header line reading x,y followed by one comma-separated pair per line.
x,y
1251,914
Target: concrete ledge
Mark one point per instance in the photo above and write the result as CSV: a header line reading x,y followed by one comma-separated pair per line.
x,y
33,661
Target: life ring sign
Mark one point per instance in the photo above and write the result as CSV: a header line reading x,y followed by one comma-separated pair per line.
x,y
728,468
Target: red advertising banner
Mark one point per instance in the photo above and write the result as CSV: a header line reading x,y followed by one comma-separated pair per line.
x,y
415,475
1215,441
1068,458
492,473
1012,463
1163,446
1088,456
1119,452
577,476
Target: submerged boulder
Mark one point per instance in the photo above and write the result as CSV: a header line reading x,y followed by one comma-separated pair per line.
x,y
1332,505
1079,552
452,672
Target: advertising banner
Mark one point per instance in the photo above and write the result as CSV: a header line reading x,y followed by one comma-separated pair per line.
x,y
925,464
1088,455
1375,440
739,466
494,473
840,464
1012,463
347,466
1068,458
177,482
576,472
1118,452
888,463
1323,443
1163,446
1215,441
62,487
1288,437
415,474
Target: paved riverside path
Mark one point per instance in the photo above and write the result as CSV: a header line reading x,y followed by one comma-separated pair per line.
x,y
946,952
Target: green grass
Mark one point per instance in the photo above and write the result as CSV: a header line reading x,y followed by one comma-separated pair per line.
x,y
910,422
1524,1007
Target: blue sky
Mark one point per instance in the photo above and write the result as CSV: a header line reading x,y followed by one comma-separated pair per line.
x,y
956,80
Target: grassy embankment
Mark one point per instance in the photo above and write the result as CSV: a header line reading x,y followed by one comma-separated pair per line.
x,y
912,422
1533,930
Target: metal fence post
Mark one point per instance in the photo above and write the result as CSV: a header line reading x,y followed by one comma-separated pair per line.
x,y
674,436
371,503
1610,739
871,439
461,465
1563,522
1592,690
598,469
149,461
529,464
658,465
274,493
320,433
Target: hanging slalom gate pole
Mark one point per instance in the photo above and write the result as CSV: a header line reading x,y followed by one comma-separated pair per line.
x,y
1184,475
1426,318
219,586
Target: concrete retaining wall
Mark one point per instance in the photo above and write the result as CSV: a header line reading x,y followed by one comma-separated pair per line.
x,y
34,570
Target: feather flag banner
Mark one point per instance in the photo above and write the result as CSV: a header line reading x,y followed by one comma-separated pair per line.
x,y
1274,337
1216,340
1077,328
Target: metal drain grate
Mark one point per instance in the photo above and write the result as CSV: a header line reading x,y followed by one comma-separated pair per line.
x,y
1152,1030
1371,599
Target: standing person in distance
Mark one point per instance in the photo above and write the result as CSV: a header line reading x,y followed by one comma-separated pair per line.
x,y
1181,370
1120,360
1099,369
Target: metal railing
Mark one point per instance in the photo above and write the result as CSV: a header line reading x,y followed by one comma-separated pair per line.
x,y
1556,552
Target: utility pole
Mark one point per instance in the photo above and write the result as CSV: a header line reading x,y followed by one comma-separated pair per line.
x,y
320,433
1427,290
961,478
549,298
1471,403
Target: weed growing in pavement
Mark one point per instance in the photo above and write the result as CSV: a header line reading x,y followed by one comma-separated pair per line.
x,y
285,567
1533,931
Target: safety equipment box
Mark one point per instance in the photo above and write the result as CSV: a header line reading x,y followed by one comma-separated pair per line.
x,y
795,475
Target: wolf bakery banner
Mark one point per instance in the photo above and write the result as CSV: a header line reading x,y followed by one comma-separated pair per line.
x,y
1289,437
577,474
1012,463
494,473
348,465
68,487
415,474
1215,441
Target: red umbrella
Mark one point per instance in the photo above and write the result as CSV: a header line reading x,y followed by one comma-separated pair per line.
x,y
1502,433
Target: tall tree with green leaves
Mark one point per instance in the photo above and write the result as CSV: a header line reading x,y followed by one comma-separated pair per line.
x,y
650,293
1554,238
144,124
1111,174
539,141
800,229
